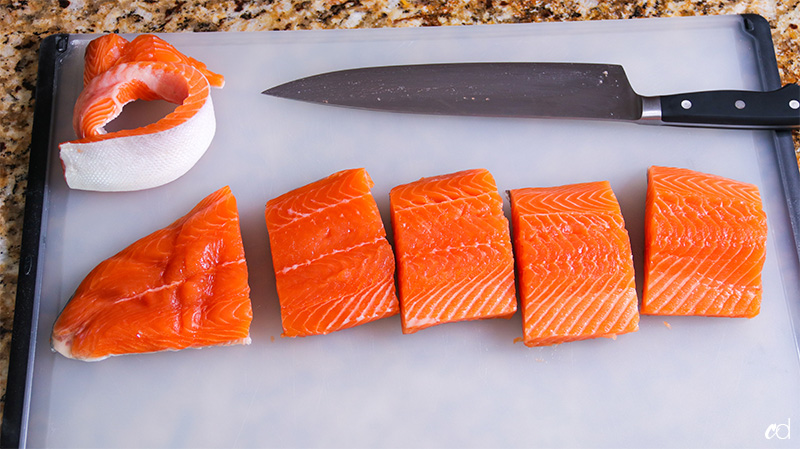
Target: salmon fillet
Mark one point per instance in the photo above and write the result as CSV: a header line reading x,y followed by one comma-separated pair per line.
x,y
182,286
334,267
574,264
453,250
705,245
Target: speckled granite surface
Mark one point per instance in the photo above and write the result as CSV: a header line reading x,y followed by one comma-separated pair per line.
x,y
25,23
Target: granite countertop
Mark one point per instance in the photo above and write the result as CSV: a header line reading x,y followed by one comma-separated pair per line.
x,y
26,22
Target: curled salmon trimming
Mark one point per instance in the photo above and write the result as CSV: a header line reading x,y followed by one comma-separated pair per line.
x,y
116,73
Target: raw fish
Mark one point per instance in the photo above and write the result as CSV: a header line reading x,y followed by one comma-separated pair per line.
x,y
453,248
334,268
574,264
184,286
118,72
705,245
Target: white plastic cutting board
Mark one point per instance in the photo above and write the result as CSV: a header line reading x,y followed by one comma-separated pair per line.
x,y
678,382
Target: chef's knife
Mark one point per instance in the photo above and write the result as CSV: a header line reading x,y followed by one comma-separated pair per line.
x,y
552,90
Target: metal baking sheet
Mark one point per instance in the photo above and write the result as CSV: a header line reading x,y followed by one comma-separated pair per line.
x,y
678,382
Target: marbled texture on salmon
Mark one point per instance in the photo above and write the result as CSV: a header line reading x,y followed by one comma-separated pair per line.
x,y
453,250
705,245
103,99
182,286
101,54
574,263
111,49
334,268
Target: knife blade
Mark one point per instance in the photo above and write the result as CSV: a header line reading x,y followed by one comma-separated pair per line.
x,y
540,90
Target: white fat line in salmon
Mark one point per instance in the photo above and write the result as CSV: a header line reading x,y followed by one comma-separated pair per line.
x,y
333,252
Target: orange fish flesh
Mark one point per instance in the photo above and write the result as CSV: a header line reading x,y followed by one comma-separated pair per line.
x,y
705,245
112,49
184,286
574,264
334,268
102,54
453,248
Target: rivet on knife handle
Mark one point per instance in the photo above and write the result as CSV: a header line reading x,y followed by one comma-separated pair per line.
x,y
739,109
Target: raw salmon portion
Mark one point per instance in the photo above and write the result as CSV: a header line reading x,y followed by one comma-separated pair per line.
x,y
111,49
574,264
117,72
705,245
184,286
453,248
334,268
144,157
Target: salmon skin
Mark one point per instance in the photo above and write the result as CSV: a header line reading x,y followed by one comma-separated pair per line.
x,y
334,267
705,245
453,249
574,264
184,286
116,73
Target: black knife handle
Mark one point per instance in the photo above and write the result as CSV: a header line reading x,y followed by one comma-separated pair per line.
x,y
738,109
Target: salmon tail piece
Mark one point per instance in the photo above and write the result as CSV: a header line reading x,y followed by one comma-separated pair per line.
x,y
144,157
574,264
334,268
117,72
183,286
453,245
705,245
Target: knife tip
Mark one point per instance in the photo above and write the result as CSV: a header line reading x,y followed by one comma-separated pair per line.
x,y
277,91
